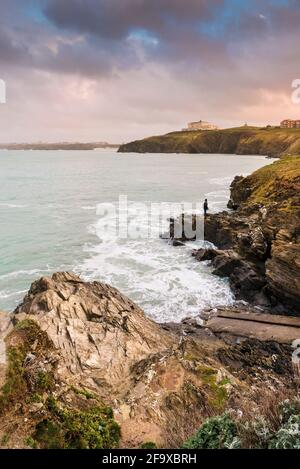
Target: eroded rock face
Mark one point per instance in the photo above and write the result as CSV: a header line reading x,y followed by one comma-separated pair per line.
x,y
100,332
283,268
264,232
100,342
74,348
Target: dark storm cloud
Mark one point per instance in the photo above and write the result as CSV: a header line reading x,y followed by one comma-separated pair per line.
x,y
26,43
99,37
115,18
168,31
131,68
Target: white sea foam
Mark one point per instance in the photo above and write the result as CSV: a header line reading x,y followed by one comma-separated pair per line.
x,y
166,282
57,229
11,294
88,207
21,273
9,205
221,181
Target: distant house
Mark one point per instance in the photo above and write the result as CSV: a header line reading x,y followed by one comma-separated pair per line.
x,y
200,125
290,124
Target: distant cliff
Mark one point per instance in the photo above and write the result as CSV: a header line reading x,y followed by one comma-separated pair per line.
x,y
243,140
56,146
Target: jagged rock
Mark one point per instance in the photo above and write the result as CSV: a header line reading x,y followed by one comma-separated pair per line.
x,y
203,255
283,270
225,263
254,244
264,233
76,345
245,280
185,228
222,229
83,320
252,353
100,342
177,244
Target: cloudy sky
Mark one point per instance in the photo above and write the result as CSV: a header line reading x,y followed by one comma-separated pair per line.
x,y
117,70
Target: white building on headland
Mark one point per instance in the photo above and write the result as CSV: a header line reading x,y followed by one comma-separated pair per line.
x,y
201,125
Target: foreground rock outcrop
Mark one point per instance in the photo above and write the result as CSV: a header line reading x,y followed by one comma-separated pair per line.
x,y
83,367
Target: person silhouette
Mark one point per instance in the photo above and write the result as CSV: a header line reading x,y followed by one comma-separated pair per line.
x,y
205,207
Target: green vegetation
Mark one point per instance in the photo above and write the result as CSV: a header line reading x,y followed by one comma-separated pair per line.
x,y
83,392
15,385
278,182
224,432
148,445
93,428
288,436
5,439
30,442
15,388
29,381
241,140
215,433
218,395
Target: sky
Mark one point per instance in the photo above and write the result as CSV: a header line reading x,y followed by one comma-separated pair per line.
x,y
118,70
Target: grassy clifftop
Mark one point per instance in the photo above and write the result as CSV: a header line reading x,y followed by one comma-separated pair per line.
x,y
242,140
278,183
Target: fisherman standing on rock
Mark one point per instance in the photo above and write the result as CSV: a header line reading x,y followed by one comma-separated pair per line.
x,y
205,207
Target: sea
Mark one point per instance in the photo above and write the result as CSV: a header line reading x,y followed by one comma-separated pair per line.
x,y
52,217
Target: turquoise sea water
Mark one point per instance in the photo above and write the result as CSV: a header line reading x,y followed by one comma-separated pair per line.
x,y
48,222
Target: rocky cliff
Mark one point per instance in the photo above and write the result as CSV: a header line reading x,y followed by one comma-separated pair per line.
x,y
244,141
259,240
82,367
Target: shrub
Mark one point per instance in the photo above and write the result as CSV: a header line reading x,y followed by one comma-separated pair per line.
x,y
148,445
216,433
93,428
288,436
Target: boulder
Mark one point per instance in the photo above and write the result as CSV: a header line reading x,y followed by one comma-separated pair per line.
x,y
81,357
245,279
83,320
283,270
203,255
76,350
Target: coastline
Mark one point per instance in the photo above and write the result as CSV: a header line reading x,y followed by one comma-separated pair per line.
x,y
77,354
272,142
257,240
57,146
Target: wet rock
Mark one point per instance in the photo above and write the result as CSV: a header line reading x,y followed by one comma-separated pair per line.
x,y
253,357
203,255
245,279
177,243
225,263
